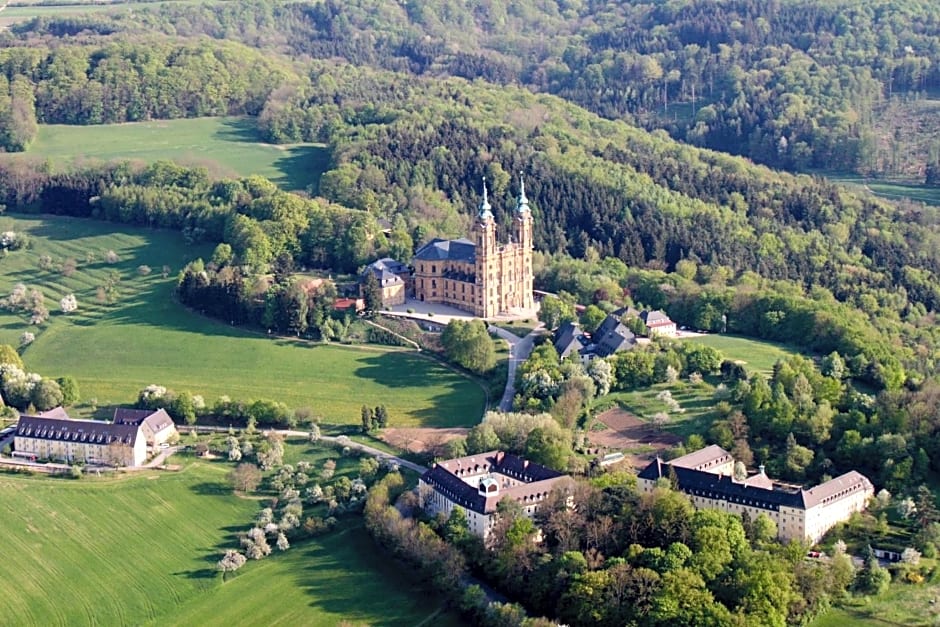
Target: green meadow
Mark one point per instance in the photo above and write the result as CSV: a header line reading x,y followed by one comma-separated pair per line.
x,y
145,337
755,355
142,549
890,189
226,146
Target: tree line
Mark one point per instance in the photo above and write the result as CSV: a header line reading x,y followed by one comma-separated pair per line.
x,y
790,83
128,81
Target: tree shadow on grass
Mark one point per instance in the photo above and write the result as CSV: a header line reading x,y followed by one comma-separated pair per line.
x,y
240,130
458,404
212,488
374,587
301,167
212,555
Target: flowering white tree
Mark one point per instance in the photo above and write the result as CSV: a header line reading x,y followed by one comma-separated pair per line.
x,y
111,257
17,298
232,561
27,338
910,556
68,303
151,393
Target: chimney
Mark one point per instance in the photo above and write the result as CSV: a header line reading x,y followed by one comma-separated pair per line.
x,y
499,456
761,469
525,463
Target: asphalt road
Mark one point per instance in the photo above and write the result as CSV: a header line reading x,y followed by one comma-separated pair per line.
x,y
519,350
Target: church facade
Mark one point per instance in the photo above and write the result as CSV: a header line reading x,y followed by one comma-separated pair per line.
x,y
482,276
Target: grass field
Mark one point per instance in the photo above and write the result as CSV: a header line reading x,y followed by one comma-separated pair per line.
x,y
339,576
757,355
146,337
696,400
23,10
902,605
892,190
227,146
142,549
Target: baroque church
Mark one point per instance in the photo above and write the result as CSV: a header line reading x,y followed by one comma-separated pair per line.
x,y
484,276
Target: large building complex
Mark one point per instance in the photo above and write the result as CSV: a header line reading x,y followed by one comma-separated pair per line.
x,y
707,476
126,441
478,483
482,276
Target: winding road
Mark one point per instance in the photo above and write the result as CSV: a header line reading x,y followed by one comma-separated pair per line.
x,y
519,350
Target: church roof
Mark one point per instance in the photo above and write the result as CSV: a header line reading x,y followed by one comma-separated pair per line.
x,y
485,208
522,203
448,250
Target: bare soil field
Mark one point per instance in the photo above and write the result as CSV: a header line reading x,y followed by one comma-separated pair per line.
x,y
421,440
625,431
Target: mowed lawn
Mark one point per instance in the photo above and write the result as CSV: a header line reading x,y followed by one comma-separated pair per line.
x,y
145,337
117,551
227,146
756,355
340,577
142,550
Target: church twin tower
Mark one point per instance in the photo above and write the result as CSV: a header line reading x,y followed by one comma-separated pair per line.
x,y
484,277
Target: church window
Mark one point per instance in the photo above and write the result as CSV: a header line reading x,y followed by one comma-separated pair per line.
x,y
433,269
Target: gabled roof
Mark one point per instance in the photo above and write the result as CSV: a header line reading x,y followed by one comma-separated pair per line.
x,y
448,250
655,319
55,412
609,324
754,490
386,271
126,416
835,488
567,339
723,487
612,336
155,420
537,480
66,430
702,457
392,265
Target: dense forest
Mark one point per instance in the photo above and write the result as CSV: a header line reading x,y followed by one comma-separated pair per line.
x,y
791,83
